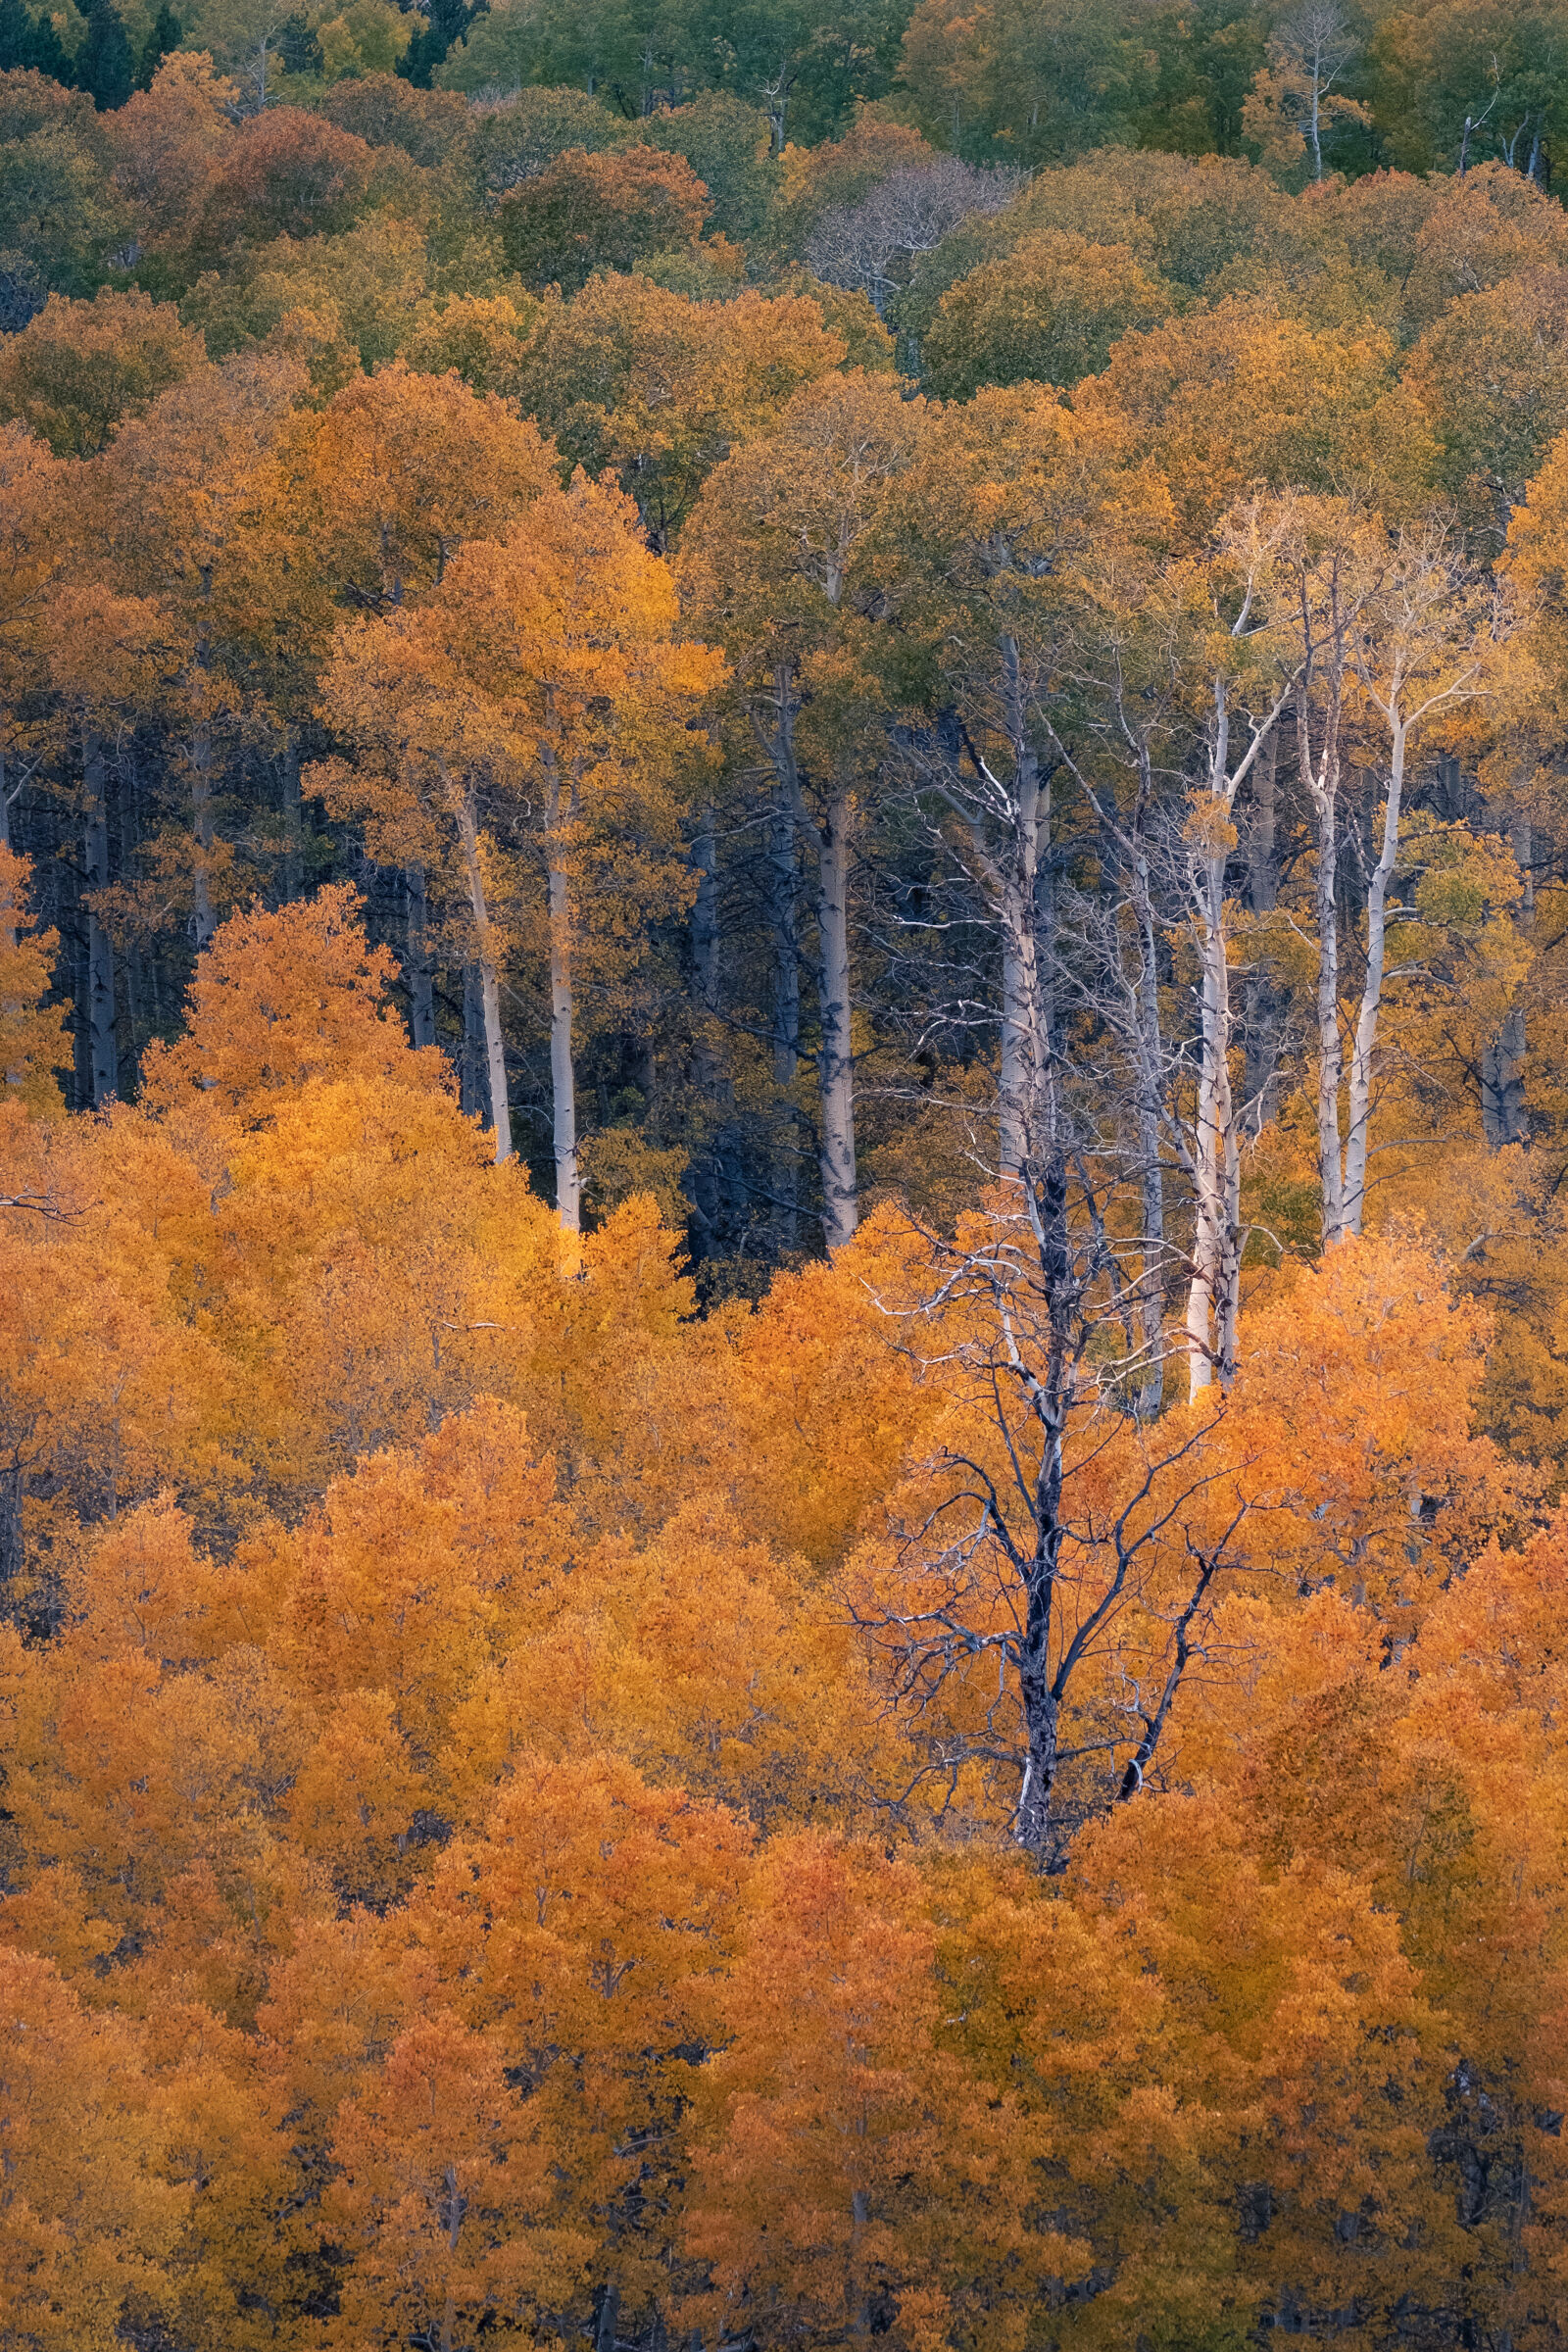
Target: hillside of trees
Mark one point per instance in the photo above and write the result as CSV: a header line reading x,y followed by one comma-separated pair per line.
x,y
783,1178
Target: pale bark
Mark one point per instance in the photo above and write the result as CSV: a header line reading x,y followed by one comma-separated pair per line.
x,y
1148,1057
1261,998
836,1066
102,1058
1322,780
1213,1297
783,880
489,986
1217,1256
563,1074
560,810
1359,1122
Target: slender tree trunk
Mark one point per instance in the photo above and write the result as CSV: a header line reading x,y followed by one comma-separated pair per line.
x,y
421,980
836,1067
1213,1300
1358,1133
1210,1305
1323,787
1260,1020
489,986
1023,1045
608,2319
563,1070
1149,1110
102,1060
783,879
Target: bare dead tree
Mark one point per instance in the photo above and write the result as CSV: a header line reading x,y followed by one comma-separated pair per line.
x,y
873,246
1080,1617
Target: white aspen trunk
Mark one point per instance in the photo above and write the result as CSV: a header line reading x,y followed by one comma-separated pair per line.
x,y
1323,789
1022,1010
1358,1132
489,985
836,1067
783,879
560,808
1208,1301
1150,1047
1025,1044
563,1072
103,1063
1211,1305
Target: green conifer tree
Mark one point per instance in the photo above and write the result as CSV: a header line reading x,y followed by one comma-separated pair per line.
x,y
105,68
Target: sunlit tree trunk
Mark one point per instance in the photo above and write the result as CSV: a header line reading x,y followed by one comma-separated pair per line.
x,y
489,978
562,1069
1359,1122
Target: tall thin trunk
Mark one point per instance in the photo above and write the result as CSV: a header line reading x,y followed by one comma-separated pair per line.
x,y
1149,1110
1261,1008
1024,1045
1323,786
783,879
563,1071
1212,1298
1358,1131
1209,1297
489,986
836,1067
102,1060
421,980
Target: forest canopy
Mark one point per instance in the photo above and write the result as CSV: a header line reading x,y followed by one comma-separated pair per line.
x,y
783,1116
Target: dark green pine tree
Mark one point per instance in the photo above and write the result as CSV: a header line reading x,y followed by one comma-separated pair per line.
x,y
445,22
48,50
30,41
104,69
164,36
298,49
